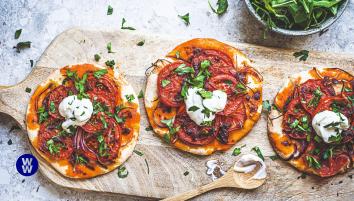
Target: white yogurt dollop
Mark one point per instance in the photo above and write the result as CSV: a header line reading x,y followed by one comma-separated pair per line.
x,y
195,105
329,124
76,112
248,162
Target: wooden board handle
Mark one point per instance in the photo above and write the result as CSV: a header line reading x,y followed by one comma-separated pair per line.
x,y
14,99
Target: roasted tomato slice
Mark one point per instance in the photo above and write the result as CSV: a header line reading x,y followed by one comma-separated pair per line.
x,y
312,91
234,114
53,145
96,123
103,87
53,100
190,132
170,85
332,166
101,103
163,112
220,62
223,82
296,122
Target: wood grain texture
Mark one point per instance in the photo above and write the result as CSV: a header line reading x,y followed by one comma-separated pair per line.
x,y
166,165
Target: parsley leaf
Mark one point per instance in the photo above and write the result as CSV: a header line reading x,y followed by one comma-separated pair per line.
x,y
22,45
312,162
193,108
130,97
52,147
99,73
109,10
266,106
28,90
122,172
42,114
141,43
109,47
302,55
183,69
185,18
205,94
18,33
222,7
273,158
164,83
141,94
110,63
258,151
124,27
139,153
97,57
51,107
237,150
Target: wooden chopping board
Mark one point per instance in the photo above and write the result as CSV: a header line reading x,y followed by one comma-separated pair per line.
x,y
164,175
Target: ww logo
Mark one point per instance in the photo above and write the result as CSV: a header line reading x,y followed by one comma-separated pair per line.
x,y
27,165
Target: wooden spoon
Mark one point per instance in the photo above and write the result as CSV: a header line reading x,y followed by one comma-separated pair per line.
x,y
230,179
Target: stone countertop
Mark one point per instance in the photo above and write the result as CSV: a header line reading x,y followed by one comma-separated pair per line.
x,y
41,21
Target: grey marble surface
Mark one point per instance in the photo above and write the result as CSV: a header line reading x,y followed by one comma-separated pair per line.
x,y
41,21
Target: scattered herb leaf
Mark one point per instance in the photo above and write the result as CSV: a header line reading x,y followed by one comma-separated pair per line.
x,y
126,27
141,43
302,55
185,18
109,10
18,33
221,7
28,90
258,151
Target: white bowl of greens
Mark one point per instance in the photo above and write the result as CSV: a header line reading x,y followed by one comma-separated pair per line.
x,y
297,17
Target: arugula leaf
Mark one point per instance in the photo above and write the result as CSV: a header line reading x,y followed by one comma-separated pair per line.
x,y
22,45
99,73
302,55
110,63
18,33
122,172
141,94
141,43
109,10
97,57
164,83
258,151
222,7
124,27
185,18
193,108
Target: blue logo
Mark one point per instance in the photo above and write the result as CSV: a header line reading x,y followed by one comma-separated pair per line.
x,y
27,165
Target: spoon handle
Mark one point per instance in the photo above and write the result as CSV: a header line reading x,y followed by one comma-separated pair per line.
x,y
219,183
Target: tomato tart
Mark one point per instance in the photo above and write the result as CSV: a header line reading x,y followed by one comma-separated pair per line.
x,y
83,120
203,97
311,122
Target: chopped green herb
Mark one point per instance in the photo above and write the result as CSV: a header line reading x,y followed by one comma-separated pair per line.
x,y
328,154
53,147
147,166
141,94
28,90
302,55
240,88
183,69
130,97
80,160
193,108
205,64
317,94
104,122
124,27
237,150
312,162
31,62
97,57
102,146
273,158
258,151
109,10
122,172
205,94
167,138
22,45
110,63
206,112
186,173
266,106
99,73
148,128
172,130
184,90
18,33
52,107
42,115
164,83
185,18
109,47
178,54
139,153
141,43
221,7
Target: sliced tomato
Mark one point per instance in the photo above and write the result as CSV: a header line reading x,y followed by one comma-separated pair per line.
x,y
95,123
104,102
104,87
163,112
64,144
234,106
308,91
296,113
191,133
334,165
54,98
170,94
220,62
222,82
